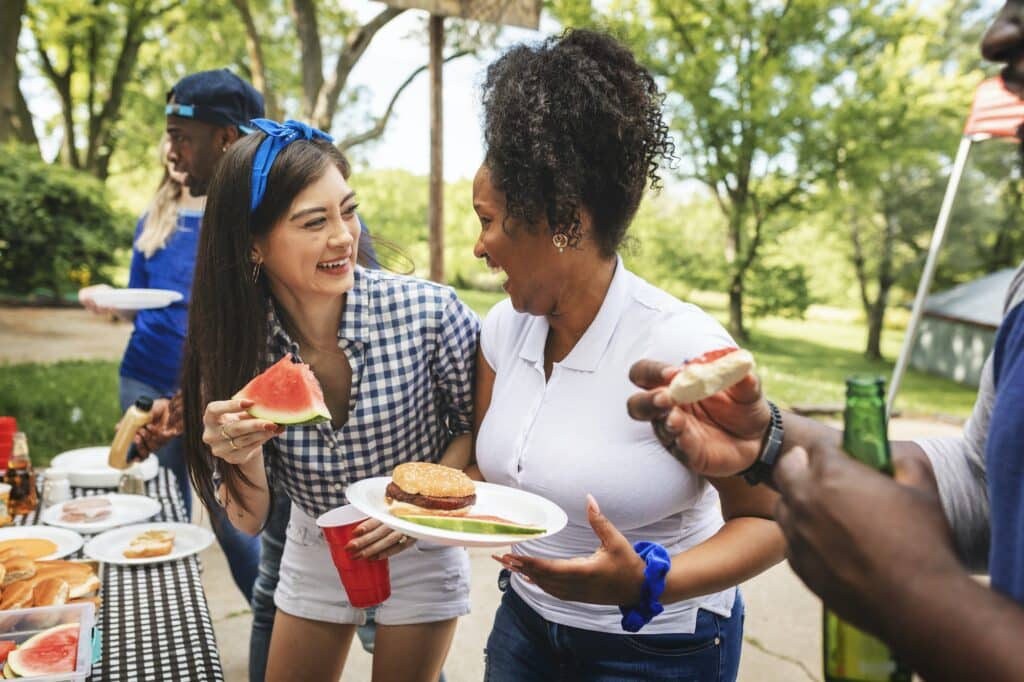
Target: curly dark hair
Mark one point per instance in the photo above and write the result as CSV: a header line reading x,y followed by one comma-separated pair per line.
x,y
574,122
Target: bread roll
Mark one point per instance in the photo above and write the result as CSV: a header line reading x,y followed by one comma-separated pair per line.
x,y
16,596
150,544
18,569
707,375
50,592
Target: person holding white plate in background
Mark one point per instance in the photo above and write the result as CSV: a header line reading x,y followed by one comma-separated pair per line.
x,y
573,133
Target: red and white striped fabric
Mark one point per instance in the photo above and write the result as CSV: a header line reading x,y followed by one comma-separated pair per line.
x,y
995,112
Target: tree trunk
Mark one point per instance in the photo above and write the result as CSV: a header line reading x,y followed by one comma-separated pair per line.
x,y
311,52
254,47
24,128
10,28
734,257
876,321
436,201
736,328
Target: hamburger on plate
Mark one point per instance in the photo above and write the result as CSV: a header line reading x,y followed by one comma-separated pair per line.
x,y
421,487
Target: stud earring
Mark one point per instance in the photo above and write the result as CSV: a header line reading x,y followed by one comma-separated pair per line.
x,y
560,240
223,149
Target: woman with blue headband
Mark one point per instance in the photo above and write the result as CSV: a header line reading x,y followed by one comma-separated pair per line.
x,y
277,273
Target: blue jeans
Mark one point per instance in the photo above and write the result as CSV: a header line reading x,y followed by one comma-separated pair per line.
x,y
241,550
524,647
263,610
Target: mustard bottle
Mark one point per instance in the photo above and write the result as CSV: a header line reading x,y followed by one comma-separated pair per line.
x,y
135,417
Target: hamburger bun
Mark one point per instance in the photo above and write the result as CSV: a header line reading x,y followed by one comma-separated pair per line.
x,y
419,486
710,373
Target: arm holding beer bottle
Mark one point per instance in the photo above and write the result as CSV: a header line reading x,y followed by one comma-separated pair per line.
x,y
893,571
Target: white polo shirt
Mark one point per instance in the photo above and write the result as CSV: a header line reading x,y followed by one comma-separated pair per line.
x,y
571,435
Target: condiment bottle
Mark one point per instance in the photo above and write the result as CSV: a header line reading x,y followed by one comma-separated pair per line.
x,y
135,417
20,477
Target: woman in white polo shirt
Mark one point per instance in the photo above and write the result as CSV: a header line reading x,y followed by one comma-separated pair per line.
x,y
574,131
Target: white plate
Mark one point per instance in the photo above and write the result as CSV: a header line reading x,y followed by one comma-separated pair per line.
x,y
109,547
87,467
67,541
136,299
491,499
124,509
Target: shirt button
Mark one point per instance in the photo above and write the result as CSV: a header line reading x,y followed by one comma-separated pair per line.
x,y
338,487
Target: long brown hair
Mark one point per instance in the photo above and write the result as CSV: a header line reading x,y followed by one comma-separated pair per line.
x,y
227,325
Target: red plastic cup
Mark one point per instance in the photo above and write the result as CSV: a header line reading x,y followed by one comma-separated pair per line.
x,y
8,425
367,581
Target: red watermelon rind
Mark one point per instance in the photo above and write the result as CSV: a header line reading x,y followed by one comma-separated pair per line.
x,y
286,393
51,651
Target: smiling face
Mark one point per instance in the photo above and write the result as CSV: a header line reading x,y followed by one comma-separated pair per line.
x,y
531,263
311,250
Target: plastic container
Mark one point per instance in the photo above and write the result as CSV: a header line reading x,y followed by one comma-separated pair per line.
x,y
56,487
20,625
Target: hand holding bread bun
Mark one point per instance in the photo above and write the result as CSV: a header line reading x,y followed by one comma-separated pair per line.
x,y
420,486
706,375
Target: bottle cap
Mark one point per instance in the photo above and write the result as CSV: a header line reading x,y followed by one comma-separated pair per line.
x,y
144,403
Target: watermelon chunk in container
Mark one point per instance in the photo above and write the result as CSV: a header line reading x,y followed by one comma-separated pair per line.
x,y
61,652
286,393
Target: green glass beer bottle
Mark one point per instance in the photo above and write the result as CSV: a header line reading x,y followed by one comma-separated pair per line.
x,y
849,654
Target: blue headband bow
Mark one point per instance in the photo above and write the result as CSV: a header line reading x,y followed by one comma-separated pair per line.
x,y
279,136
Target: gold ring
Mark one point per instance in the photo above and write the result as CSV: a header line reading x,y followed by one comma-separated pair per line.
x,y
234,446
401,539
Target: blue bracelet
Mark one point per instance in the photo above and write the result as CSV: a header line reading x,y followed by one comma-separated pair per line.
x,y
658,562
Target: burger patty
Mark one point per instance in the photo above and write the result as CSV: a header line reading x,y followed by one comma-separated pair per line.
x,y
429,501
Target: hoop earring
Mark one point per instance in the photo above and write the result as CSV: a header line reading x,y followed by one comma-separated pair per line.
x,y
560,240
256,272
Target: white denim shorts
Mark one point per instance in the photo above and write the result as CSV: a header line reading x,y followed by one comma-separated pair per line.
x,y
429,582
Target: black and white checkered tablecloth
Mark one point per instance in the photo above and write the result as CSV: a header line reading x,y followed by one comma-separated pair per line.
x,y
155,621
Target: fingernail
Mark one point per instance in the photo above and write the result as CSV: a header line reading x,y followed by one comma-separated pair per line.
x,y
272,428
662,399
592,503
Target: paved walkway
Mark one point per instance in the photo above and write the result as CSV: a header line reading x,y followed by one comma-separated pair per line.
x,y
783,622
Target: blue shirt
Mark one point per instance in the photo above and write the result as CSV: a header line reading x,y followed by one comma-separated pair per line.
x,y
1004,458
153,355
412,348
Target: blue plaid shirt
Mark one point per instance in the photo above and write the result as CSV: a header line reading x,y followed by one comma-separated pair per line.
x,y
412,348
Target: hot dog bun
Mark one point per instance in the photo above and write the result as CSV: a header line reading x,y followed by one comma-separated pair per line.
x,y
710,373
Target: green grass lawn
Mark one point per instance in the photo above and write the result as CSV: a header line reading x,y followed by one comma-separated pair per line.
x,y
74,404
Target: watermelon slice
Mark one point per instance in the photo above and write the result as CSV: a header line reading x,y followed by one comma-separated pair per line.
x,y
6,647
491,525
51,651
287,393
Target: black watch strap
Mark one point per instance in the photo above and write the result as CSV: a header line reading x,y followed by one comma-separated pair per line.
x,y
761,470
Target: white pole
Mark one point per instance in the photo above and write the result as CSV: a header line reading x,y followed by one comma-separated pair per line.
x,y
938,236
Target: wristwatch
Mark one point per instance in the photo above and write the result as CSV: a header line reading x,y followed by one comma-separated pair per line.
x,y
761,470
